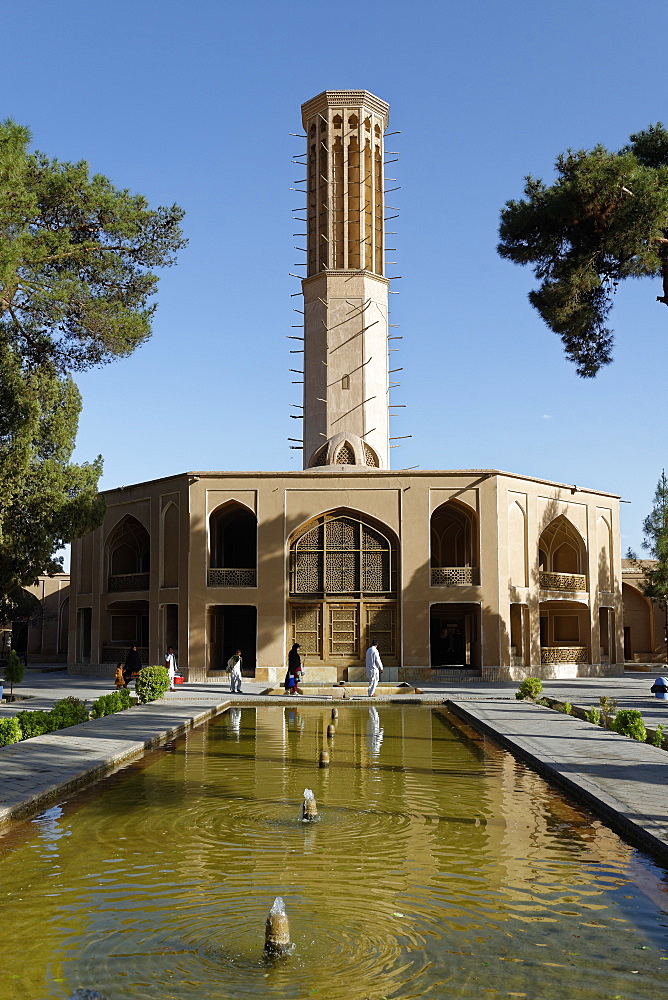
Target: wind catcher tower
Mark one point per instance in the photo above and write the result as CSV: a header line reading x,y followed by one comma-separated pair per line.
x,y
346,381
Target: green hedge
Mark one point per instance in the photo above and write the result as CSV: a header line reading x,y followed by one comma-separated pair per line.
x,y
10,732
107,704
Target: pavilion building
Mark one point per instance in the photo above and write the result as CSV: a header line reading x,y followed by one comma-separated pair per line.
x,y
453,573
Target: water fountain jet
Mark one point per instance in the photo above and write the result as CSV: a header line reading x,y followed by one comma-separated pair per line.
x,y
277,930
309,807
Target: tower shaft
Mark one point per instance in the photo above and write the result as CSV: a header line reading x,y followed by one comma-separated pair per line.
x,y
345,292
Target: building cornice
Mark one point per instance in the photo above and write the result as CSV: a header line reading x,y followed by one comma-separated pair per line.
x,y
345,99
365,473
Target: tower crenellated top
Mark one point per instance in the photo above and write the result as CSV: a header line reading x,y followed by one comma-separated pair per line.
x,y
345,99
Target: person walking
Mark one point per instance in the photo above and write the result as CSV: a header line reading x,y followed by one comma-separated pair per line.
x,y
170,663
374,667
234,667
294,668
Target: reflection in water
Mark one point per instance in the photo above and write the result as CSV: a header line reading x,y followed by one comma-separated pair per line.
x,y
374,732
439,868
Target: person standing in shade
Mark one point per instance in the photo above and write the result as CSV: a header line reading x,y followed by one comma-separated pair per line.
x,y
234,667
133,665
170,663
294,668
374,667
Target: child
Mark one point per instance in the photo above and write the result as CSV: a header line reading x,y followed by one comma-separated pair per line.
x,y
119,679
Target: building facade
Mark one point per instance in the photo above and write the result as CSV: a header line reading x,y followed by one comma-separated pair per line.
x,y
475,571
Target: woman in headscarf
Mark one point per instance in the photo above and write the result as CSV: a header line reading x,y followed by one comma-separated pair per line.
x,y
132,664
294,669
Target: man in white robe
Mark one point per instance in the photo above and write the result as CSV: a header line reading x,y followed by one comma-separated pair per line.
x,y
374,667
234,667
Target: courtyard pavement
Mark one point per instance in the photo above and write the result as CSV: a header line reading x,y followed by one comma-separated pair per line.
x,y
625,781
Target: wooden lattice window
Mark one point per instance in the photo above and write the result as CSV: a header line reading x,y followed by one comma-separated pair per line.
x,y
381,627
341,555
307,628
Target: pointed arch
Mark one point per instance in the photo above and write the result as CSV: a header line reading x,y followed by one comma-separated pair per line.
x,y
232,546
517,546
342,568
562,556
604,554
170,545
454,545
128,555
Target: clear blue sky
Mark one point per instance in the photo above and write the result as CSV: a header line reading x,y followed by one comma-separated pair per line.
x,y
193,102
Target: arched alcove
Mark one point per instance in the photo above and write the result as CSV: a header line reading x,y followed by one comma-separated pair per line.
x,y
128,556
562,557
517,546
232,546
604,551
170,546
454,545
343,587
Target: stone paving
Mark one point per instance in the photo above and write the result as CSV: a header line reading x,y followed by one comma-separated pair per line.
x,y
624,780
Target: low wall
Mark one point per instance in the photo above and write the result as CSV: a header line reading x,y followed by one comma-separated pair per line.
x,y
553,671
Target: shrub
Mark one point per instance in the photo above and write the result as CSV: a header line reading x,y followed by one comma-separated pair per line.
x,y
68,712
107,704
657,739
34,723
10,732
565,709
530,687
608,709
13,671
593,716
629,722
152,682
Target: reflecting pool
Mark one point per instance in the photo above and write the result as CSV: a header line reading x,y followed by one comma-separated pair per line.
x,y
439,867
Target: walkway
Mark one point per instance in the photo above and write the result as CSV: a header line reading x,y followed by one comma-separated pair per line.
x,y
625,781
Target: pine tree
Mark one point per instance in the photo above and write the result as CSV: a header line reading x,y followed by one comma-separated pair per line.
x,y
655,542
77,262
603,220
13,672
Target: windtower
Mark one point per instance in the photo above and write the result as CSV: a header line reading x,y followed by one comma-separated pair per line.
x,y
346,380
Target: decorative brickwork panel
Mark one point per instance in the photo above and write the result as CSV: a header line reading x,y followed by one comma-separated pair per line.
x,y
307,628
232,578
381,627
564,654
343,630
117,654
128,582
455,576
563,581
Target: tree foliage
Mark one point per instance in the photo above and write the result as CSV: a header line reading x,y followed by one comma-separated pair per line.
x,y
655,543
604,219
77,263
